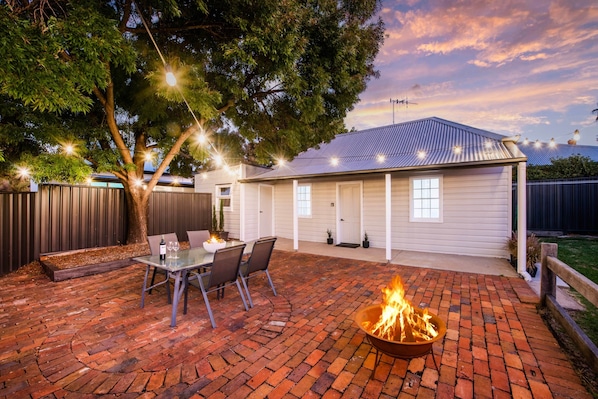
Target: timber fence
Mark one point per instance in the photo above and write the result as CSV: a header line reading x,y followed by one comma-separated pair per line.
x,y
551,268
62,218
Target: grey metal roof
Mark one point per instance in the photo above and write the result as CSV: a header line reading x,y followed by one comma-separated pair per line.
x,y
399,144
542,155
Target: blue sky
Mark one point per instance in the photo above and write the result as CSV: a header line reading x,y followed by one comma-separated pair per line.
x,y
512,67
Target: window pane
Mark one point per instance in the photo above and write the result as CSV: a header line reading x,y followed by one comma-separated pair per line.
x,y
304,200
425,198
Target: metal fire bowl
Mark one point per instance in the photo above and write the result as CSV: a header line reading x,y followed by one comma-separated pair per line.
x,y
403,350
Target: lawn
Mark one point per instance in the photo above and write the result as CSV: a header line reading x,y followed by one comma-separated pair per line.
x,y
582,255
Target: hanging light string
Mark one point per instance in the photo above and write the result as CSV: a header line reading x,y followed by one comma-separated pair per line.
x,y
171,80
552,143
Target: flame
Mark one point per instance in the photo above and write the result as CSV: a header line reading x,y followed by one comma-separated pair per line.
x,y
214,240
399,320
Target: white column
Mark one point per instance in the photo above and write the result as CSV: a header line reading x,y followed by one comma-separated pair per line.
x,y
242,212
295,217
521,217
388,217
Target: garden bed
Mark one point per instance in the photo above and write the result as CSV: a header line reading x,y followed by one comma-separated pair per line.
x,y
85,262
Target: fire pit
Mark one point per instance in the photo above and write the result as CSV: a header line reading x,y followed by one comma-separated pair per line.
x,y
398,329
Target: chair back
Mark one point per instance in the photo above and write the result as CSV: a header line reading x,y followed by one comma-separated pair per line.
x,y
225,267
197,237
154,242
260,254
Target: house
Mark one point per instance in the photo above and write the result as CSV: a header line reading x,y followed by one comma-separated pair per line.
x,y
428,185
542,154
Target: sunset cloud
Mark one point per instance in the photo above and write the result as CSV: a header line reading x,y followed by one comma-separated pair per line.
x,y
513,67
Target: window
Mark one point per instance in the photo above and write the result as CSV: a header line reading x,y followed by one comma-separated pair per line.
x,y
426,199
224,195
304,200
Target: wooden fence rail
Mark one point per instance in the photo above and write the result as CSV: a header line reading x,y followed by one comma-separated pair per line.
x,y
551,268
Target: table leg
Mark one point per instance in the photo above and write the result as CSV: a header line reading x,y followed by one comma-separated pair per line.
x,y
144,286
179,288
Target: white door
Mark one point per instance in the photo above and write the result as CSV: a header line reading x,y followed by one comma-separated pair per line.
x,y
266,210
349,213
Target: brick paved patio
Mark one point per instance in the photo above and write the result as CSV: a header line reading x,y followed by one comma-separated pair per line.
x,y
88,337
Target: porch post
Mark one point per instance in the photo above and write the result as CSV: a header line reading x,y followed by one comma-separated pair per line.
x,y
388,217
242,212
295,217
521,218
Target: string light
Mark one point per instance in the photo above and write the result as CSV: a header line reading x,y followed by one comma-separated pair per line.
x,y
334,161
23,172
576,135
552,143
537,144
526,141
457,149
69,149
380,158
421,154
170,78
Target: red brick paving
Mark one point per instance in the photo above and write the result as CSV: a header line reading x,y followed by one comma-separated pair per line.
x,y
87,337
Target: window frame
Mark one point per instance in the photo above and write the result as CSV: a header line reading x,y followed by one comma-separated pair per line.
x,y
308,200
219,197
412,199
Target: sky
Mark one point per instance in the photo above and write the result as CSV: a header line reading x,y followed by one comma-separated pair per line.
x,y
512,67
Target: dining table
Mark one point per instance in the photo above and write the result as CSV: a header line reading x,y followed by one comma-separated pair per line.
x,y
178,266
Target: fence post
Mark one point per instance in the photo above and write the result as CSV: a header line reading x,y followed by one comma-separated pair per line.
x,y
548,277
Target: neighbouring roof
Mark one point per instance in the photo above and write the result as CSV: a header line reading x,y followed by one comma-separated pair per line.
x,y
542,155
399,145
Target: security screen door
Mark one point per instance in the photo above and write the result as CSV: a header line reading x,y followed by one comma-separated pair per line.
x,y
266,211
349,213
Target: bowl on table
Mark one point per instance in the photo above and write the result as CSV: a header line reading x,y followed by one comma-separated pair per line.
x,y
213,246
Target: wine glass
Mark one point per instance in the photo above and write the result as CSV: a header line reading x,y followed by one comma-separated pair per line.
x,y
175,246
169,247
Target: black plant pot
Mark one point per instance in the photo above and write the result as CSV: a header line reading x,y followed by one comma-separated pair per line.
x,y
365,244
329,241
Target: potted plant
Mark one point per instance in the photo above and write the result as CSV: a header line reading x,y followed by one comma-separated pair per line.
x,y
214,229
533,252
366,241
329,240
218,223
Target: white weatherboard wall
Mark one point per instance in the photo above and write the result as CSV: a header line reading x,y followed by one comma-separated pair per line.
x,y
323,214
476,212
207,183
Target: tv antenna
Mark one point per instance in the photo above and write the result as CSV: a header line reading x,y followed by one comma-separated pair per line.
x,y
404,101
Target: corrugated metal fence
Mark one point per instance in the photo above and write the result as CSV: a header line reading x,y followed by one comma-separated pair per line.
x,y
561,206
62,218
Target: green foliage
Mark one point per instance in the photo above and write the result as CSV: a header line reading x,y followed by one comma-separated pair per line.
x,y
221,217
261,79
564,168
214,219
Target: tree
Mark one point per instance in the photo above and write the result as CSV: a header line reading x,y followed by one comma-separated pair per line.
x,y
564,168
259,79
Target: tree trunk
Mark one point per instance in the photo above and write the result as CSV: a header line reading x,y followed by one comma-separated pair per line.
x,y
137,215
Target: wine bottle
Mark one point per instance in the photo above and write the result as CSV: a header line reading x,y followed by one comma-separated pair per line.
x,y
162,248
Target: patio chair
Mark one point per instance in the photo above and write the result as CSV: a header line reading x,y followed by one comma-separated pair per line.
x,y
154,244
197,237
258,263
224,272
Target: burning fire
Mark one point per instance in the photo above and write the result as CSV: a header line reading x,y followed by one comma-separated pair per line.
x,y
399,320
214,240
